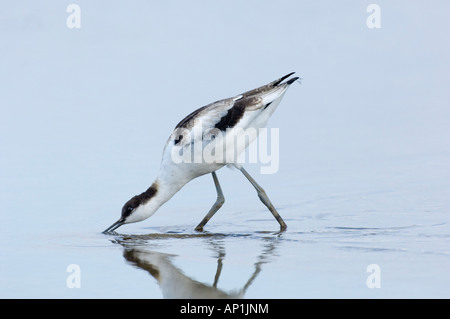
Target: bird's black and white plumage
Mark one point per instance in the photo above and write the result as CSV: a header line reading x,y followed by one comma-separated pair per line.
x,y
214,128
243,110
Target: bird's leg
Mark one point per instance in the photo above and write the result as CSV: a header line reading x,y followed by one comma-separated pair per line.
x,y
219,202
263,197
218,272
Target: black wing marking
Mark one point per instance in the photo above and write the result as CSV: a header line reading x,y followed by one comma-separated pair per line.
x,y
232,117
184,123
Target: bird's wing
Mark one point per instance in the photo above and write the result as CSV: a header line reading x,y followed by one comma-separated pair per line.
x,y
236,111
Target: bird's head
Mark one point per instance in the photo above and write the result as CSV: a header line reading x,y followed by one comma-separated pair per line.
x,y
137,208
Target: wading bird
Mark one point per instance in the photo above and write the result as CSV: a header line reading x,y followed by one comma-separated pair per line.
x,y
217,125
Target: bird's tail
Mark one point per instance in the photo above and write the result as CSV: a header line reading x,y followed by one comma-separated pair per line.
x,y
273,86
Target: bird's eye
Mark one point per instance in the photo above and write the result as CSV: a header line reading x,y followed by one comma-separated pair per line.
x,y
127,210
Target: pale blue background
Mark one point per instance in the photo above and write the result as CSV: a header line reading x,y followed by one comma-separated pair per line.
x,y
364,156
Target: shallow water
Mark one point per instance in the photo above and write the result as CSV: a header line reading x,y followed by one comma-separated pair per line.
x,y
314,257
391,213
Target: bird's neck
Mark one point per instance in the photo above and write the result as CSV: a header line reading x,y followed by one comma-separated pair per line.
x,y
152,199
171,178
168,182
166,186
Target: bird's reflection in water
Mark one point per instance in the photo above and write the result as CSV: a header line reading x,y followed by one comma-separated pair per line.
x,y
175,284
